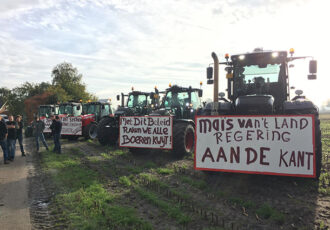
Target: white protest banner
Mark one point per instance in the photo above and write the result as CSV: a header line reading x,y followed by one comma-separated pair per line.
x,y
47,122
274,145
70,125
146,132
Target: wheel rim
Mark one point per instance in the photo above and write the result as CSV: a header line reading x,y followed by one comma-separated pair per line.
x,y
189,141
93,132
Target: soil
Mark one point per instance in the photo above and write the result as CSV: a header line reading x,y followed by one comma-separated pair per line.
x,y
14,202
26,193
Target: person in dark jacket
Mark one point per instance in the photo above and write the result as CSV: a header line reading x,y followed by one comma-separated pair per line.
x,y
20,133
39,127
3,137
11,138
56,128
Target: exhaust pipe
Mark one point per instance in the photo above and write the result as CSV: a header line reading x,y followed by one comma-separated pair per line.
x,y
122,100
215,83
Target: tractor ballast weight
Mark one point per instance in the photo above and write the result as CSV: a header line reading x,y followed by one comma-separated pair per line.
x,y
138,104
258,84
182,103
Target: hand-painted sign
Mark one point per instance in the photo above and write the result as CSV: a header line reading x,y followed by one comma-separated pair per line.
x,y
275,145
146,132
70,125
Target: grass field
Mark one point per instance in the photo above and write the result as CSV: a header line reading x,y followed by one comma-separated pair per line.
x,y
107,188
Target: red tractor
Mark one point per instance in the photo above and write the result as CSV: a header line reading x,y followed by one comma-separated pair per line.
x,y
92,113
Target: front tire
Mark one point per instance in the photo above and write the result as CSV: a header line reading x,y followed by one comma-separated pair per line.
x,y
107,134
183,139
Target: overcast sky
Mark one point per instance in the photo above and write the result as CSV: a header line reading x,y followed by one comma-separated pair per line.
x,y
120,44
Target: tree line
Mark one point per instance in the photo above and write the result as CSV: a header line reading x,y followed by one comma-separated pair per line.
x,y
66,85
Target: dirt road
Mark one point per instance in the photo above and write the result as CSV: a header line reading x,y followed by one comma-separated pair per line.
x,y
14,202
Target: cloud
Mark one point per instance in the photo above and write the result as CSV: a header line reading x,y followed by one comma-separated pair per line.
x,y
117,44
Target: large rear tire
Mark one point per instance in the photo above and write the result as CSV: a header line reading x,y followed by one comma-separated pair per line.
x,y
107,134
318,146
183,139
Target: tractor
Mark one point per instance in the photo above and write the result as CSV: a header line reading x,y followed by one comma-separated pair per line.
x,y
44,112
92,114
258,84
182,104
138,104
70,109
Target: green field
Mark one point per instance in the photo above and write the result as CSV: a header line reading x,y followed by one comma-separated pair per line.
x,y
107,188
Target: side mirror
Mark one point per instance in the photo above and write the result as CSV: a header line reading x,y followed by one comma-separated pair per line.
x,y
313,67
118,97
78,107
312,70
209,72
200,93
222,94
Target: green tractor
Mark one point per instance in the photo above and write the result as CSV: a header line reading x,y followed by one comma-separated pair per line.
x,y
138,104
182,104
258,84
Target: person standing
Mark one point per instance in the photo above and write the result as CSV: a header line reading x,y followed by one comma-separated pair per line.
x,y
3,136
20,133
11,138
56,128
39,127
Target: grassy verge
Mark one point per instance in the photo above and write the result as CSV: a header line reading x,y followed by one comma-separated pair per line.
x,y
82,198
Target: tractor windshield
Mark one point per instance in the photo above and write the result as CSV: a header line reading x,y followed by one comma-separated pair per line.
x,y
137,100
248,74
45,111
176,99
66,109
84,108
93,109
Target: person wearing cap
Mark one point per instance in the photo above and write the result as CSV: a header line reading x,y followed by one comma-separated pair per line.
x,y
19,133
3,137
39,127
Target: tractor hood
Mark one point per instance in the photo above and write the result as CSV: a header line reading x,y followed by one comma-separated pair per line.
x,y
160,112
255,104
124,111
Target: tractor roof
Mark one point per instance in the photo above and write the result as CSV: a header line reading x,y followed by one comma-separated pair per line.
x,y
176,88
71,103
139,93
260,57
97,103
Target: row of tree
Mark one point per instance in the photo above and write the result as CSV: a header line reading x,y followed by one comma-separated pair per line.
x,y
66,85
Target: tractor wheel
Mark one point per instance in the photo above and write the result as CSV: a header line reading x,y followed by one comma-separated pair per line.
x,y
318,147
93,131
183,139
89,132
106,133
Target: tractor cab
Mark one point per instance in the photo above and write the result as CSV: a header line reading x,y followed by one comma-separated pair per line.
x,y
257,82
138,103
98,108
47,110
70,109
181,102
